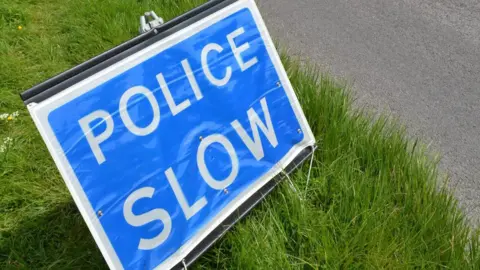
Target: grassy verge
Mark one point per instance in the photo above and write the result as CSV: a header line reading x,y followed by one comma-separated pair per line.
x,y
371,202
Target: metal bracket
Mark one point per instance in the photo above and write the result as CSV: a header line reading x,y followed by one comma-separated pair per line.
x,y
153,23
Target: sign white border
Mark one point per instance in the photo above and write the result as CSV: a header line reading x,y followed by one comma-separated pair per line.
x,y
40,112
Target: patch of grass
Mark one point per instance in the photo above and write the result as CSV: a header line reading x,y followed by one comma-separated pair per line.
x,y
372,201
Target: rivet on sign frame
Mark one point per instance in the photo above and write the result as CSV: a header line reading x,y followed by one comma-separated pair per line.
x,y
201,138
100,213
225,191
299,130
279,84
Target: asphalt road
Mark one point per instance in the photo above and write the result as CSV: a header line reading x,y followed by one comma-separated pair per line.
x,y
416,59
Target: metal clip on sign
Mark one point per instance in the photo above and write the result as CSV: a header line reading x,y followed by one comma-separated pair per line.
x,y
152,24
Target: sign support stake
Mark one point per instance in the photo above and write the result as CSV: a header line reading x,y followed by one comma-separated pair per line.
x,y
310,169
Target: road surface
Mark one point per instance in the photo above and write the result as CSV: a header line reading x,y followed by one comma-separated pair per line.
x,y
416,59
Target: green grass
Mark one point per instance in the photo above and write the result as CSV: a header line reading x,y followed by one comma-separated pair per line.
x,y
374,199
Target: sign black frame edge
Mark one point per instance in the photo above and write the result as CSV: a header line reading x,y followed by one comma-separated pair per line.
x,y
62,81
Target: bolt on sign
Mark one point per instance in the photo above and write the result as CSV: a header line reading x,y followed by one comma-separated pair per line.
x,y
168,139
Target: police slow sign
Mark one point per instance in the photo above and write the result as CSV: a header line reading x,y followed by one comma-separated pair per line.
x,y
160,147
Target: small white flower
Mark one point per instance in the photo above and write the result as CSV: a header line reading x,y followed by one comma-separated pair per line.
x,y
9,116
6,143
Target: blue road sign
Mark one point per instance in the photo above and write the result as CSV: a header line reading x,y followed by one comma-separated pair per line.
x,y
159,148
